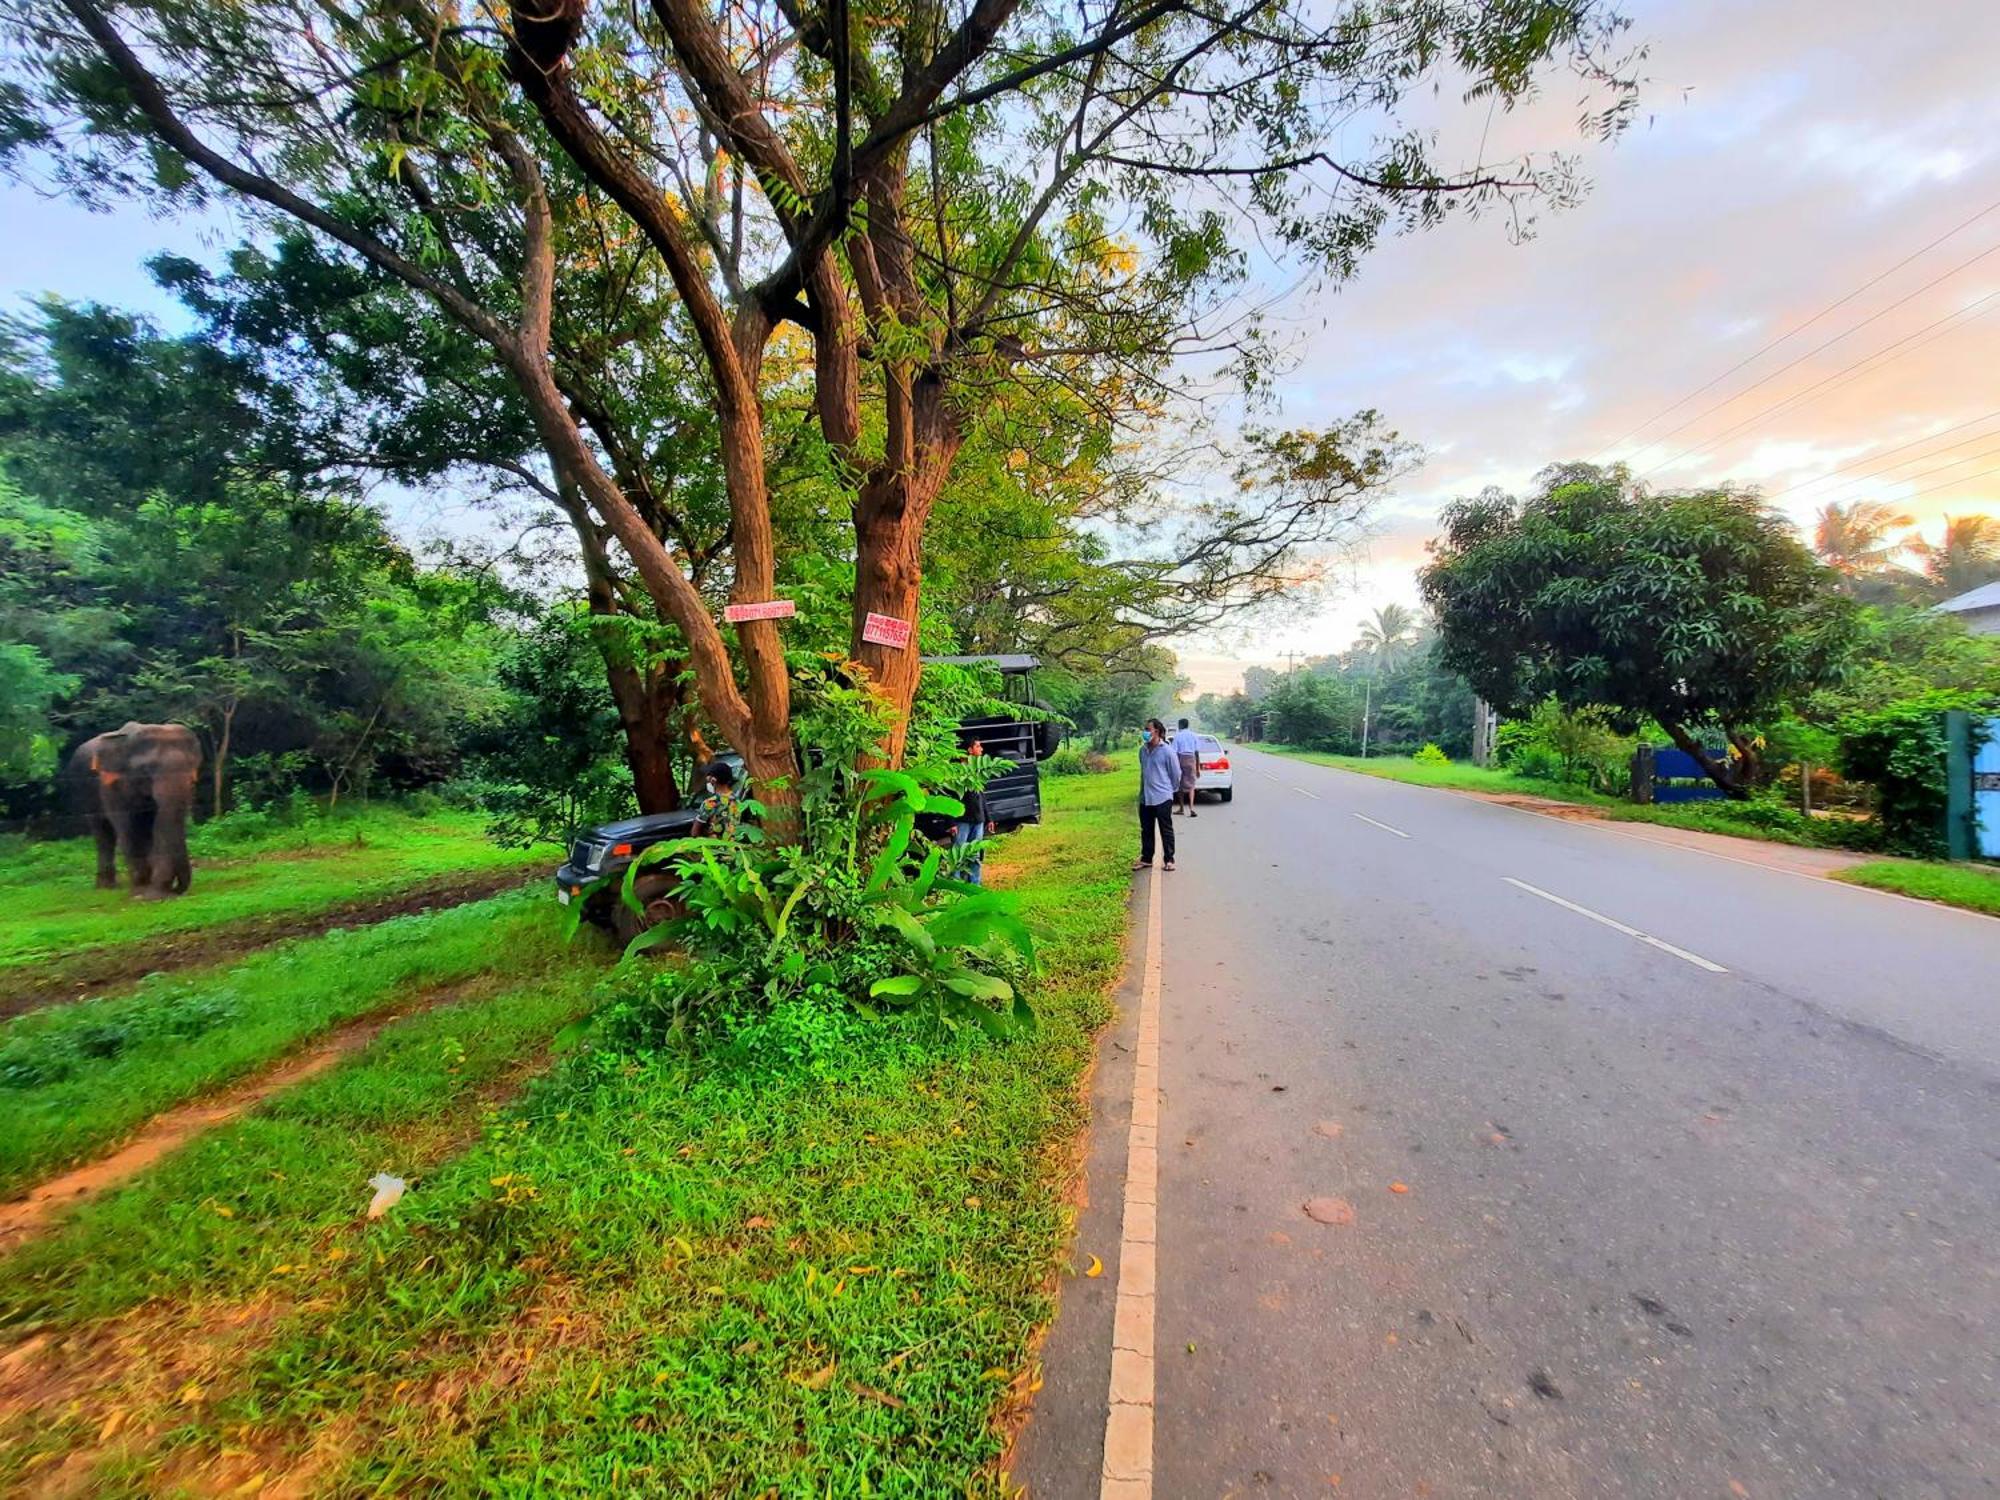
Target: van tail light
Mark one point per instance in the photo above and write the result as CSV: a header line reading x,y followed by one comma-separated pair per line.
x,y
619,851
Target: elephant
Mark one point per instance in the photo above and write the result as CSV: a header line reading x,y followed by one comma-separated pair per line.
x,y
137,786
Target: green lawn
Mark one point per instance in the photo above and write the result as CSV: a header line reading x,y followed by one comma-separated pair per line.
x,y
1457,776
651,1276
55,915
1753,820
1974,887
76,1078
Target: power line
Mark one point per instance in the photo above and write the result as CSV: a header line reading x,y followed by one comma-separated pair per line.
x,y
1870,458
1798,329
1948,483
1965,314
1821,348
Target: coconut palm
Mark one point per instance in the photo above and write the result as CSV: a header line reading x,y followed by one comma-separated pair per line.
x,y
1858,538
1967,555
1389,635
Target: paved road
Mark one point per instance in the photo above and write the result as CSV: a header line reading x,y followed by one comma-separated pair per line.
x,y
1715,1214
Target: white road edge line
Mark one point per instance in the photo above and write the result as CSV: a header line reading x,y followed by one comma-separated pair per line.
x,y
1583,911
1304,793
1128,1414
1383,826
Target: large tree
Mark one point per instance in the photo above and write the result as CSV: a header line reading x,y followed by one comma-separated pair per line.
x,y
1698,610
942,202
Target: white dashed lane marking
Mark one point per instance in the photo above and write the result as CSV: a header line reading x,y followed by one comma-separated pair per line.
x,y
1304,793
1383,826
1617,926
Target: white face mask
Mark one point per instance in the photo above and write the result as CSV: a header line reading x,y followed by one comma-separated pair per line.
x,y
711,788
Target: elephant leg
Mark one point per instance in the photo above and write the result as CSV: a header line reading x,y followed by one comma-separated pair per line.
x,y
136,836
107,852
172,872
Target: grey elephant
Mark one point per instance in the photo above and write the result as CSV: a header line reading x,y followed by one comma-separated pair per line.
x,y
137,786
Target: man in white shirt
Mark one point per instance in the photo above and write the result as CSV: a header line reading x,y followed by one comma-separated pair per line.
x,y
1187,745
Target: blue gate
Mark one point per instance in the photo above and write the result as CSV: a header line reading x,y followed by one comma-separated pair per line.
x,y
1661,773
1986,787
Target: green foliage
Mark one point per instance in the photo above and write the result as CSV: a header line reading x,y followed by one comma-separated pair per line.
x,y
28,689
1691,609
1901,749
1068,761
1430,755
156,556
547,763
851,915
1576,747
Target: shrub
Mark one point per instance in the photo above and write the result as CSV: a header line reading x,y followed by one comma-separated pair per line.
x,y
1577,748
1901,749
850,919
1430,755
1070,760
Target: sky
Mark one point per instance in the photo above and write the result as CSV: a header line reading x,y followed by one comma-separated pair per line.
x,y
1787,153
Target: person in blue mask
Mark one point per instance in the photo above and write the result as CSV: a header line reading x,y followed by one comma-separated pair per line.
x,y
1159,779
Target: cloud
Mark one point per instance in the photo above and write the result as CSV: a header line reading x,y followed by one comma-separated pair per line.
x,y
1786,154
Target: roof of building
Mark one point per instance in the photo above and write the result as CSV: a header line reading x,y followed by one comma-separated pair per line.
x,y
1001,663
1986,596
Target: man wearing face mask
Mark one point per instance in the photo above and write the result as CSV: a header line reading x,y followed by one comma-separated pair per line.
x,y
717,816
1159,779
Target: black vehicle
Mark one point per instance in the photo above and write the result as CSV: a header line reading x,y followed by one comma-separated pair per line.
x,y
598,857
602,854
1013,797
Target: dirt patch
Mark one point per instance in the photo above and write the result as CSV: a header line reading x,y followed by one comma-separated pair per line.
x,y
1574,812
92,973
26,1217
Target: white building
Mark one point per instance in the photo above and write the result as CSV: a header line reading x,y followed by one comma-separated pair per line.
x,y
1980,609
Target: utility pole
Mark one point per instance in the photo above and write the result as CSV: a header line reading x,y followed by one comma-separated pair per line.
x,y
1294,657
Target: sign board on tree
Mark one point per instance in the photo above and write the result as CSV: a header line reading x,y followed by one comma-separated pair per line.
x,y
769,609
885,630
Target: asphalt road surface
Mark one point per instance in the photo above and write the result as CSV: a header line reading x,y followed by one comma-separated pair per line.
x,y
1701,1159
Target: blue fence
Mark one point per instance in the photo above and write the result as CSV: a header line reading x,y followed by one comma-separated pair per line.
x,y
1664,774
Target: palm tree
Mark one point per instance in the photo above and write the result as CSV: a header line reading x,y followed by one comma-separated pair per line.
x,y
1389,635
1967,555
1855,539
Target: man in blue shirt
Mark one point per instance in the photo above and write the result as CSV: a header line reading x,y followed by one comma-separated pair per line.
x,y
1159,779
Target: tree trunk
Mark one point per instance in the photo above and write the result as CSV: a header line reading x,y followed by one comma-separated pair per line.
x,y
890,514
648,703
1750,765
1717,771
222,759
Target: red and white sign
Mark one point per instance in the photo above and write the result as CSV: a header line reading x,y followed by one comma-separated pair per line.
x,y
770,609
885,630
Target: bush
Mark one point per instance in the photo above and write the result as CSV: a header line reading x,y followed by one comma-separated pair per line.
x,y
1070,760
852,919
1575,748
1901,749
1430,755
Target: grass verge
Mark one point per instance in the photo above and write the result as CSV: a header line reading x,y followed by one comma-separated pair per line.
x,y
1972,887
55,913
1752,820
199,1265
654,1276
77,1078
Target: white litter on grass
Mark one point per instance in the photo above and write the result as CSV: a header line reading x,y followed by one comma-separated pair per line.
x,y
388,1193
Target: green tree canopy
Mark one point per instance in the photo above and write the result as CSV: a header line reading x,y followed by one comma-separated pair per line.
x,y
1696,610
879,220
